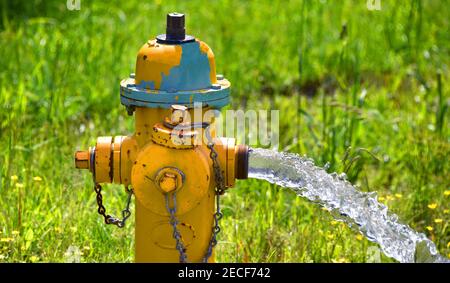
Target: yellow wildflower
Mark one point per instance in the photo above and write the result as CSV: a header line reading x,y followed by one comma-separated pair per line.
x,y
330,236
429,228
381,198
448,245
6,240
14,178
432,205
334,222
15,232
438,220
87,248
340,260
2,257
446,211
389,197
34,258
447,193
19,185
398,196
58,230
359,237
37,179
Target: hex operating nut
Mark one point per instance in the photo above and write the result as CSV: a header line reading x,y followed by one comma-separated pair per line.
x,y
168,182
169,179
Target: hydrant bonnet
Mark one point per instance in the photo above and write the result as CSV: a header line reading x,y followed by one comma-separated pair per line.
x,y
175,67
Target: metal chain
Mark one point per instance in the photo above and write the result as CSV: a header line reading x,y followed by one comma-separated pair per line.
x,y
216,229
220,189
176,233
102,210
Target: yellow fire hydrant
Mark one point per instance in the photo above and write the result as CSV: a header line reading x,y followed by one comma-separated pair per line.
x,y
174,164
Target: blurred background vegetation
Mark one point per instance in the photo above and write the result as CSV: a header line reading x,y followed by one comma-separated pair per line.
x,y
364,90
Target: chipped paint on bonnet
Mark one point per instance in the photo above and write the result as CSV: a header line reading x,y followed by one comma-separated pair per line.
x,y
184,73
192,73
154,61
172,68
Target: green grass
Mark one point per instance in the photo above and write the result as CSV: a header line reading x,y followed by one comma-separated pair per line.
x,y
366,91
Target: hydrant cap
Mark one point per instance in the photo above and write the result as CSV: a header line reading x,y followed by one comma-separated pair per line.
x,y
177,67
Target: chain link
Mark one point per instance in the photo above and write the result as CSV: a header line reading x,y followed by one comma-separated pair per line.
x,y
102,210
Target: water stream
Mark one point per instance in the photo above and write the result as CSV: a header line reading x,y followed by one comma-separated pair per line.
x,y
357,209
